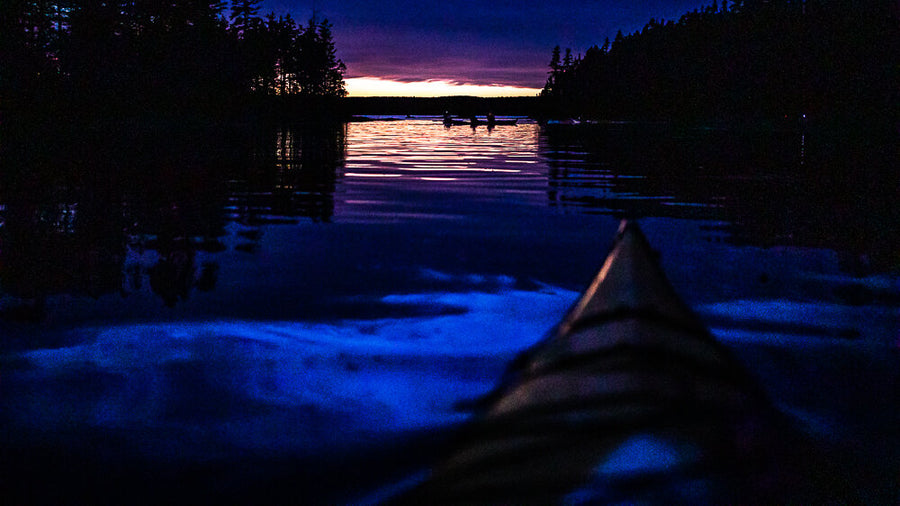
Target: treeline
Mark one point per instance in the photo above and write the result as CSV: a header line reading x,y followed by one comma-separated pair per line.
x,y
187,57
744,59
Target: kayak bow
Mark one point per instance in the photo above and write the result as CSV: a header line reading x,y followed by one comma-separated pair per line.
x,y
629,399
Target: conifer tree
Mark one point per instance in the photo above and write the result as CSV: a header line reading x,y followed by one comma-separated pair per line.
x,y
334,67
320,72
243,13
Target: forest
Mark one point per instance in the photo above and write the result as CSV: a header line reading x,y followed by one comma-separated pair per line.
x,y
747,60
143,58
120,122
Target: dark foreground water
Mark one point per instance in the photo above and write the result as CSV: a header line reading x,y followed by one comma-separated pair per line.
x,y
293,316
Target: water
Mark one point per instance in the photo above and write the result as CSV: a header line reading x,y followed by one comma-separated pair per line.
x,y
245,305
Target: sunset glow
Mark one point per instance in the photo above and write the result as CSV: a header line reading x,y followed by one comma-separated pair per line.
x,y
374,87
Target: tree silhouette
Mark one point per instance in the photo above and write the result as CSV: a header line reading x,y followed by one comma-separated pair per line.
x,y
243,15
761,59
320,72
117,121
139,57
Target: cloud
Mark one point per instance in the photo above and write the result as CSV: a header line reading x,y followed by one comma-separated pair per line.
x,y
473,41
417,55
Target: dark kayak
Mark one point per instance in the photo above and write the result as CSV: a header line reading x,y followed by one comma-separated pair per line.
x,y
628,400
478,122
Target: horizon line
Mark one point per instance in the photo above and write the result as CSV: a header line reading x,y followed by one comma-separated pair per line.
x,y
370,86
406,97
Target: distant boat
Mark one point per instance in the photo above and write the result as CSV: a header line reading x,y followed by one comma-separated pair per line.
x,y
456,122
568,121
477,122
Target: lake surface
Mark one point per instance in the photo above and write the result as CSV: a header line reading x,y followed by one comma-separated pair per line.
x,y
244,308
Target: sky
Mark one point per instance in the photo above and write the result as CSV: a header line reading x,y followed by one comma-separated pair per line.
x,y
493,47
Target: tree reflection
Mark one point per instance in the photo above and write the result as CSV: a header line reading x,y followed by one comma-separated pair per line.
x,y
77,204
173,276
765,188
61,231
57,247
291,174
117,210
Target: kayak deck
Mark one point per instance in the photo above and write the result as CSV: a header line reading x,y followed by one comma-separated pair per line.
x,y
629,399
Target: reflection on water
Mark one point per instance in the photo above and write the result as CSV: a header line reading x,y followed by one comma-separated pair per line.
x,y
223,299
758,188
146,209
291,174
420,169
655,170
83,221
126,212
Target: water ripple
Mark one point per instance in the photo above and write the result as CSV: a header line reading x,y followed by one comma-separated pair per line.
x,y
393,166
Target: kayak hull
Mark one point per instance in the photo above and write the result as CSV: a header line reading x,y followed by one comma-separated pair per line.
x,y
629,399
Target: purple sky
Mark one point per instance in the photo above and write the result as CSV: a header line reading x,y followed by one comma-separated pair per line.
x,y
505,42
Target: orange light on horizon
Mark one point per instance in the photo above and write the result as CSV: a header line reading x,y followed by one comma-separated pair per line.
x,y
375,87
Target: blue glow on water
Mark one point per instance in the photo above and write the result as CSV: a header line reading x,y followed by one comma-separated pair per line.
x,y
347,309
643,453
282,386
